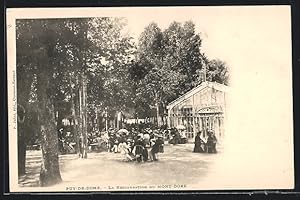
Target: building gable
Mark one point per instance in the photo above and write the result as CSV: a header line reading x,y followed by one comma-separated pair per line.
x,y
202,86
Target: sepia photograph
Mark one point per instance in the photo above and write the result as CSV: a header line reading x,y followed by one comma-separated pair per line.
x,y
150,98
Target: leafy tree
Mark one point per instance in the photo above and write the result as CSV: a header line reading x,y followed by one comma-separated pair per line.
x,y
183,53
45,40
46,52
168,61
150,57
55,58
218,71
109,85
25,78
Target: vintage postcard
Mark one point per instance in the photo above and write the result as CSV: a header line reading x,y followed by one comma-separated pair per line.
x,y
150,98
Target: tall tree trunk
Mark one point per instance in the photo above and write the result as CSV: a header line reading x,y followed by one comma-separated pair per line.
x,y
50,173
75,123
83,88
157,114
74,117
77,120
157,108
84,105
163,118
83,118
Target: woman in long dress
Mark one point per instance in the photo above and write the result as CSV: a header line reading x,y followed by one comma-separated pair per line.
x,y
125,150
211,143
157,143
198,143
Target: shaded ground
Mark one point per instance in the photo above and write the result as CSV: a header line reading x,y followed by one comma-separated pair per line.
x,y
177,165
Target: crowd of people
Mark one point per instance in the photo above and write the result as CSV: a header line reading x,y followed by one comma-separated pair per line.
x,y
175,136
140,146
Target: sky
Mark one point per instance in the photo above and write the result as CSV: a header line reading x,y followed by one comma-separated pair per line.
x,y
225,31
255,42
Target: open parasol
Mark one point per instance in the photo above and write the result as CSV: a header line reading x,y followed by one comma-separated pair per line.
x,y
123,131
